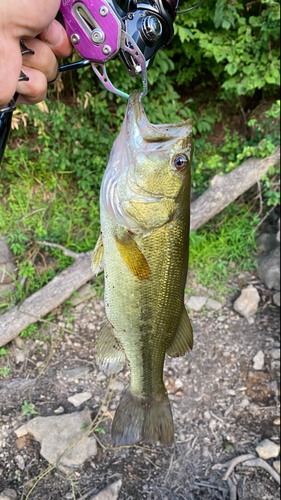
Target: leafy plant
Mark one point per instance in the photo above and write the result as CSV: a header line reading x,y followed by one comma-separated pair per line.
x,y
28,409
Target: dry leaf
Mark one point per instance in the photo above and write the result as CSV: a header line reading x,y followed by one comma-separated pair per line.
x,y
43,107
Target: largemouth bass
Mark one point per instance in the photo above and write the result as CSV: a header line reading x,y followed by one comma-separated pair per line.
x,y
144,209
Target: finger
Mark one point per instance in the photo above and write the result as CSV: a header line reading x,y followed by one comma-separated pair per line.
x,y
10,66
33,91
43,59
55,37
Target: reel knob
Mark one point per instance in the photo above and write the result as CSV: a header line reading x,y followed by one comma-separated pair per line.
x,y
152,28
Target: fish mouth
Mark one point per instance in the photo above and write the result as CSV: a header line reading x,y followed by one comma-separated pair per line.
x,y
136,117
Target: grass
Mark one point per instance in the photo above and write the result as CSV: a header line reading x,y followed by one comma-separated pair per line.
x,y
229,239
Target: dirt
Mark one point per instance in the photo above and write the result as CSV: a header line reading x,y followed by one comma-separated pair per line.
x,y
222,408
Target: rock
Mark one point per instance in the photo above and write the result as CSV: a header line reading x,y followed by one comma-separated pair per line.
x,y
212,424
8,495
77,373
196,303
59,410
266,242
258,360
117,386
79,399
101,377
19,342
8,268
247,303
275,353
20,356
269,268
244,403
267,449
221,319
57,433
276,299
179,384
20,462
109,493
86,292
276,466
213,304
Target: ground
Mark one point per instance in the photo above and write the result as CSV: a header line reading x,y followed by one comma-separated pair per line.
x,y
222,408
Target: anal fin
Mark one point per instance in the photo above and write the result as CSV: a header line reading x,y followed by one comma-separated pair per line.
x,y
110,355
183,340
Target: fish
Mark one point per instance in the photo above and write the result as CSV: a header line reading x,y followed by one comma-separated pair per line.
x,y
143,249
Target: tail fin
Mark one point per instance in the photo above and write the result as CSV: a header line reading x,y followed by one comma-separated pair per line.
x,y
138,418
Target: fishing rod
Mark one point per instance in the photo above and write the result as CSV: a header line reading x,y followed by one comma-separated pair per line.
x,y
101,30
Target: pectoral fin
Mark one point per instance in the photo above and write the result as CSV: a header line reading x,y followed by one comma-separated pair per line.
x,y
97,257
183,340
133,257
110,355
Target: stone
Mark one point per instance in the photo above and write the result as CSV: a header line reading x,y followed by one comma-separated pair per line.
x,y
59,410
179,384
269,268
247,303
63,437
266,242
86,292
8,495
78,399
244,403
276,466
77,373
20,356
213,304
258,360
212,424
276,299
196,303
101,377
19,342
275,353
7,271
20,462
110,492
117,386
267,449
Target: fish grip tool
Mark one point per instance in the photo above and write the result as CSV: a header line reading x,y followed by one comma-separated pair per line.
x,y
101,30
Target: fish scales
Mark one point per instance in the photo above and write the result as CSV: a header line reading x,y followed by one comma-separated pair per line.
x,y
145,203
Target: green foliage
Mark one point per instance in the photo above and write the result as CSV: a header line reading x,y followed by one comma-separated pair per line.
x,y
236,42
28,409
5,370
29,331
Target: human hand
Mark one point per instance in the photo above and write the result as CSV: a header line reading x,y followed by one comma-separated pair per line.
x,y
26,19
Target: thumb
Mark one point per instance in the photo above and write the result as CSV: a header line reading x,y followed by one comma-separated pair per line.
x,y
55,37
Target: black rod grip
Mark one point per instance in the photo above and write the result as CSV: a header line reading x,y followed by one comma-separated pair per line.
x,y
5,127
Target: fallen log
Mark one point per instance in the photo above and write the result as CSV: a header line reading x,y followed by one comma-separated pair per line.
x,y
224,189
227,188
46,299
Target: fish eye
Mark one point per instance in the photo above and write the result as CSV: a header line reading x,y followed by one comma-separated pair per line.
x,y
179,162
